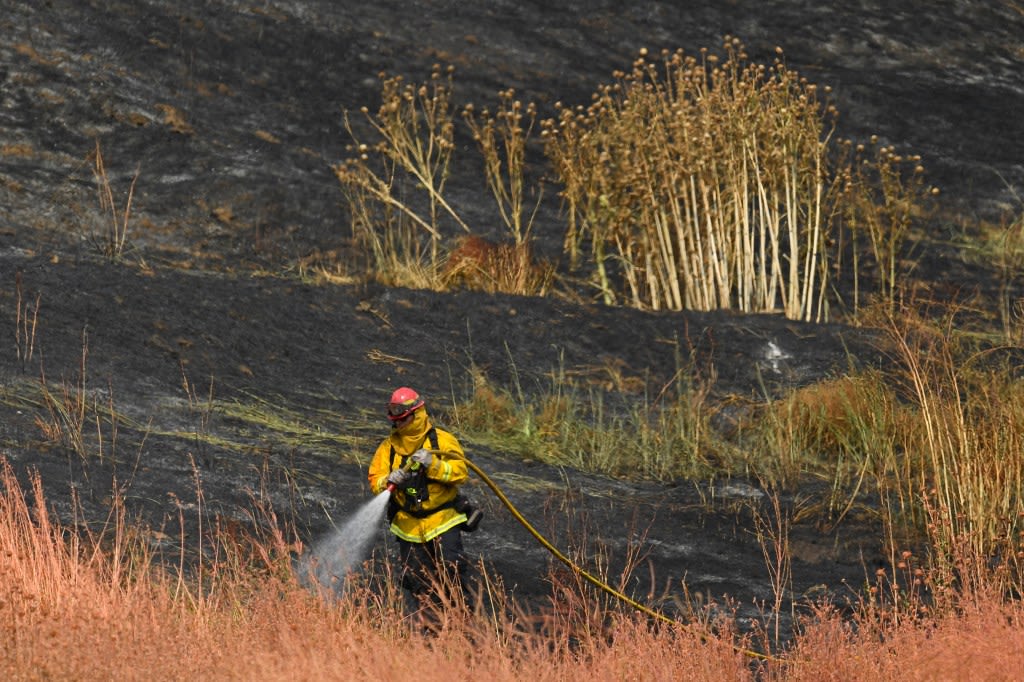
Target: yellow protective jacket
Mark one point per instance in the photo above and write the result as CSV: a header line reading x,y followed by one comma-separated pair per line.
x,y
446,472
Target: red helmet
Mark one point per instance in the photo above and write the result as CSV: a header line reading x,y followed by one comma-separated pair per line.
x,y
404,401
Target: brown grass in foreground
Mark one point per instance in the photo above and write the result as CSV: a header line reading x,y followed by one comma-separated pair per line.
x,y
101,607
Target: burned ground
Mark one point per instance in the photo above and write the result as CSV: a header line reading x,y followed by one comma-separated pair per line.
x,y
230,114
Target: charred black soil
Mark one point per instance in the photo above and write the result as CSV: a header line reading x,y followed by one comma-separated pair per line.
x,y
230,114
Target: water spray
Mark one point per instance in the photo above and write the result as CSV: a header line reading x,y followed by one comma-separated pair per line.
x,y
345,549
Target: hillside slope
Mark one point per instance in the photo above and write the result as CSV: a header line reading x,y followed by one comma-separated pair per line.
x,y
229,114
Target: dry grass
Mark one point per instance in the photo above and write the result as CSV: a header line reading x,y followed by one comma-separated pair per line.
x,y
1010,262
502,138
981,643
102,606
478,264
930,449
964,468
697,183
111,238
395,189
385,181
1001,246
935,440
659,436
841,431
26,322
66,407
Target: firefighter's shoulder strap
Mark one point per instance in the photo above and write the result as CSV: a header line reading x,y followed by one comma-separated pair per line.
x,y
393,504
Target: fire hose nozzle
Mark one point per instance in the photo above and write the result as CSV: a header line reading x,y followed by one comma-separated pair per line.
x,y
409,466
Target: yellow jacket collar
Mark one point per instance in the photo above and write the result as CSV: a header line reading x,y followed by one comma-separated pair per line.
x,y
408,437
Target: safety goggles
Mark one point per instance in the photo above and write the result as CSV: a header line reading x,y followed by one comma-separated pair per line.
x,y
397,412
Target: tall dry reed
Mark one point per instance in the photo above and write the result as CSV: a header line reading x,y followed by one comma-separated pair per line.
x,y
702,184
692,182
698,183
396,186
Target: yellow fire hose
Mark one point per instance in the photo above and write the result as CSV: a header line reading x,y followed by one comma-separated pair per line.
x,y
588,576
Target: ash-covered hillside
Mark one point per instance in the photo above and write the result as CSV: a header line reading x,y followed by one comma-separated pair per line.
x,y
228,117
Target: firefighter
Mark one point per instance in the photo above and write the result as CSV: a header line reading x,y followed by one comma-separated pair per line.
x,y
424,466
